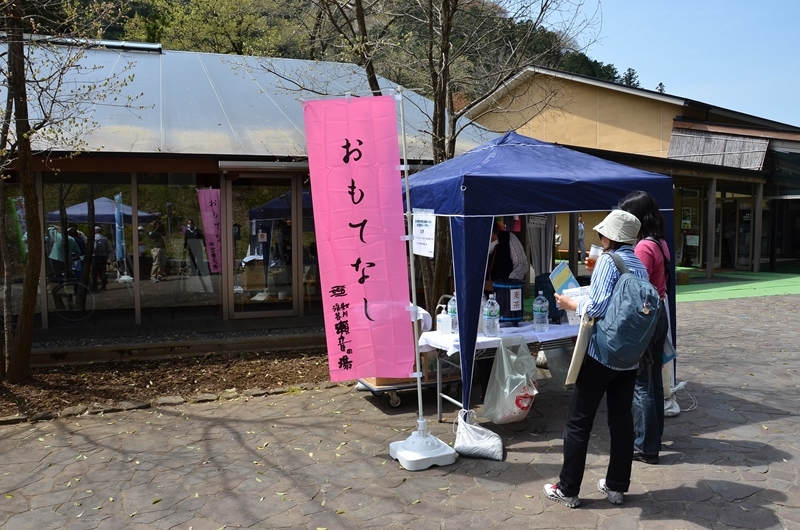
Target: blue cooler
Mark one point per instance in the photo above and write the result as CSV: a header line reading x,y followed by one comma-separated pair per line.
x,y
508,294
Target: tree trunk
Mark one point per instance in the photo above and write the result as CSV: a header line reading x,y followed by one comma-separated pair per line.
x,y
365,50
19,357
440,70
426,273
8,310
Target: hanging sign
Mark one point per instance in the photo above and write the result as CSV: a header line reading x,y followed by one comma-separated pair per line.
x,y
537,221
353,160
424,232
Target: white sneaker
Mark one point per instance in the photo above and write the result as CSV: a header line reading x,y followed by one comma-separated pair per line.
x,y
552,492
614,497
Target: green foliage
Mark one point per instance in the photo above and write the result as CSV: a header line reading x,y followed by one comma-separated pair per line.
x,y
580,63
240,27
485,37
630,78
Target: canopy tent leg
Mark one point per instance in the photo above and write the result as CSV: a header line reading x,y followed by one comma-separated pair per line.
x,y
470,239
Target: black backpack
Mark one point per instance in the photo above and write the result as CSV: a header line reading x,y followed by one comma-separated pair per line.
x,y
101,247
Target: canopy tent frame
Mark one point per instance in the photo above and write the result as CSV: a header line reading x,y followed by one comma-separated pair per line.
x,y
517,175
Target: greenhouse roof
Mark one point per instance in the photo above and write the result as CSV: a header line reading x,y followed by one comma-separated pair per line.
x,y
214,104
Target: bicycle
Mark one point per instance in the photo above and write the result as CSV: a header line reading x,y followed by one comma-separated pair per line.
x,y
73,301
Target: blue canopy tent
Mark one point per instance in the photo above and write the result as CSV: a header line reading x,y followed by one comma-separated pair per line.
x,y
281,207
103,213
517,175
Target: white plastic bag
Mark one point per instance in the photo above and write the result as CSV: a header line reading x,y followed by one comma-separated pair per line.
x,y
474,440
512,384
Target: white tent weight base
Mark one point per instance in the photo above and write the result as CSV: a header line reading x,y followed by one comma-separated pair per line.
x,y
422,450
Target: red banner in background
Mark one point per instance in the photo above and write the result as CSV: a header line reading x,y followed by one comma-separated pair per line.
x,y
210,214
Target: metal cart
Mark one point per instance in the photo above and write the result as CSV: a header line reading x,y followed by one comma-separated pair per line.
x,y
450,386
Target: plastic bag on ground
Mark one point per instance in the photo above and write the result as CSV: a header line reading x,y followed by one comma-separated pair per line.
x,y
475,441
512,384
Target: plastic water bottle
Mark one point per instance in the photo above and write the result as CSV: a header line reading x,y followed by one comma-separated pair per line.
x,y
541,313
491,317
452,310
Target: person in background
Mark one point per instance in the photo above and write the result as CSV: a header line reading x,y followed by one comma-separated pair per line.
x,y
79,237
618,233
648,395
507,258
556,244
100,260
581,243
56,255
159,251
142,245
76,258
507,261
193,246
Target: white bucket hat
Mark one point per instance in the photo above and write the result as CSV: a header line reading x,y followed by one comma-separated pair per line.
x,y
620,226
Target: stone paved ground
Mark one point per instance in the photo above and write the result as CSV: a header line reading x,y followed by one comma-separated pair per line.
x,y
319,459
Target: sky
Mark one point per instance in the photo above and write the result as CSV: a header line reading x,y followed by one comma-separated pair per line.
x,y
739,55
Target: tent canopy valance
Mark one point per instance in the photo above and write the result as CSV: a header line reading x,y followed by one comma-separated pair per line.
x,y
517,175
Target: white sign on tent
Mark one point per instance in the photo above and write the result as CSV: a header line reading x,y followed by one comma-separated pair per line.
x,y
424,232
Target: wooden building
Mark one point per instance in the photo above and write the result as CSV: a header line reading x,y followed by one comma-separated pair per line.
x,y
733,173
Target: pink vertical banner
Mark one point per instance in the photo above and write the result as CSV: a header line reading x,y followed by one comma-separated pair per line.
x,y
353,159
210,214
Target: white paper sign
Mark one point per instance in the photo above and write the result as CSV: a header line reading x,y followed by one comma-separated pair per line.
x,y
537,221
424,232
693,241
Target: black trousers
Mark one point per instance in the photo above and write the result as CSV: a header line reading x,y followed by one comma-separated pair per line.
x,y
594,381
99,272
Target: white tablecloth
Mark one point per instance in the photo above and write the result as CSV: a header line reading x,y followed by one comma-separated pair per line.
x,y
433,340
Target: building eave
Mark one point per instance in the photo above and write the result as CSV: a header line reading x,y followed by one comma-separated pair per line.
x,y
520,77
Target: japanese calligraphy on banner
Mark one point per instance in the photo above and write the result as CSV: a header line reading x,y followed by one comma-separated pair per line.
x,y
358,214
210,214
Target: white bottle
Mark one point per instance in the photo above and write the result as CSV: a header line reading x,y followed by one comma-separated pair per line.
x,y
491,317
541,313
443,324
452,310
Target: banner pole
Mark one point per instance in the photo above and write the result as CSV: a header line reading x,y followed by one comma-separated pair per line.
x,y
421,450
410,228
